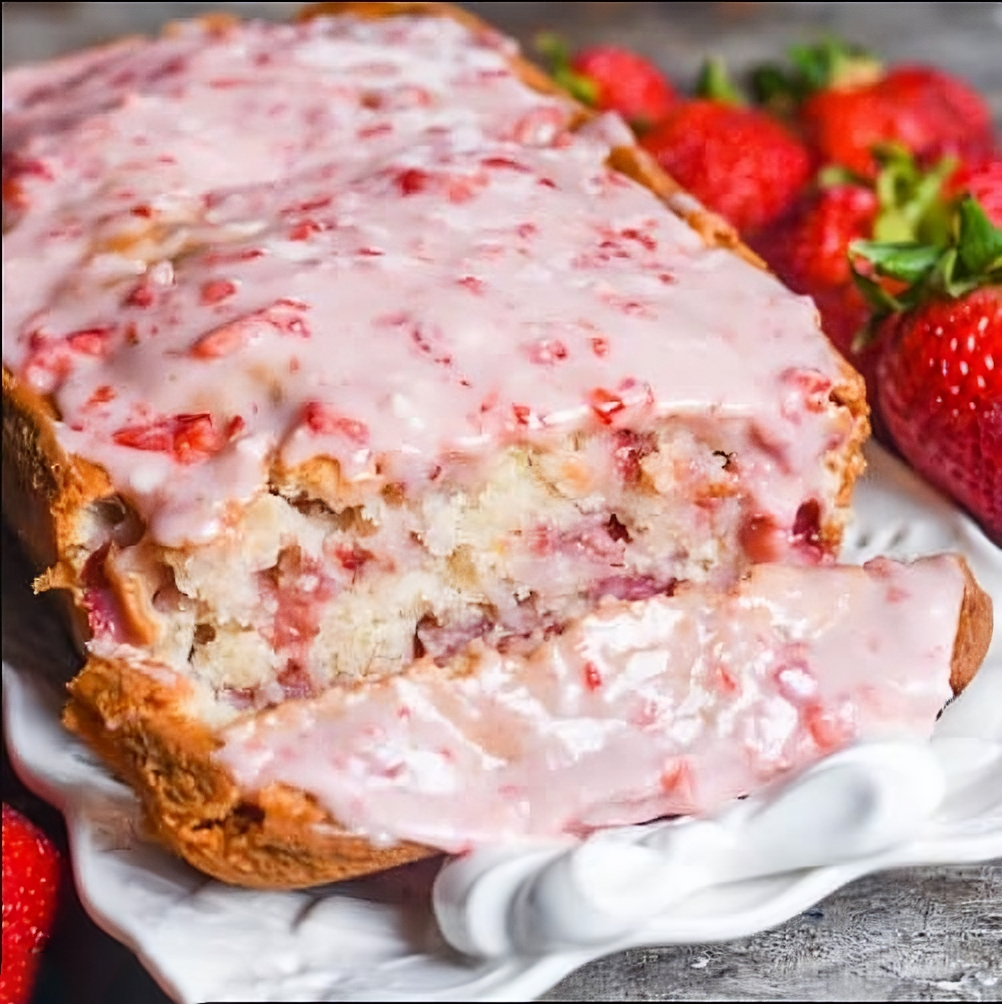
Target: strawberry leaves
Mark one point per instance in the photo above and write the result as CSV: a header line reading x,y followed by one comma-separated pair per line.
x,y
910,199
557,55
832,63
972,256
968,258
980,246
715,84
907,262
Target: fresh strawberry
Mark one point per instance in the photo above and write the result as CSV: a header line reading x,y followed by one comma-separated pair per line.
x,y
941,398
31,872
809,249
982,178
940,374
847,105
923,109
611,79
738,161
626,83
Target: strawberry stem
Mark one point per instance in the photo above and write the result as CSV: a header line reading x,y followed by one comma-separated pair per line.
x,y
910,200
772,86
835,174
832,63
557,55
715,83
905,261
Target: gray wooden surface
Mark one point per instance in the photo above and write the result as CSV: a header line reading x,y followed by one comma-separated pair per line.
x,y
922,934
925,934
963,37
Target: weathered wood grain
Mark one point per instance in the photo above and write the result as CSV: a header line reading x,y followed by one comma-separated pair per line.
x,y
923,934
965,38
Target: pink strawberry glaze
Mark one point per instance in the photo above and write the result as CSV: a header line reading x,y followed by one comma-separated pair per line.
x,y
663,706
368,240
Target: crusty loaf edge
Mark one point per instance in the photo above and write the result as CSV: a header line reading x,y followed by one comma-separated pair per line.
x,y
280,837
974,632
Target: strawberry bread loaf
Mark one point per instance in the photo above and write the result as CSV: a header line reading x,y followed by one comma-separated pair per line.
x,y
347,349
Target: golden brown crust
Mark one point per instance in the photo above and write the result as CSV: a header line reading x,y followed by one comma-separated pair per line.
x,y
279,837
974,632
45,490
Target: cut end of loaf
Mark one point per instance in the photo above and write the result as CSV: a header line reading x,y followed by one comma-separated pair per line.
x,y
320,582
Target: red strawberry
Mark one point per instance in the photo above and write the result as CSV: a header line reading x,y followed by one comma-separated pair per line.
x,y
941,398
611,79
982,178
940,375
925,110
626,83
738,161
847,105
809,249
31,872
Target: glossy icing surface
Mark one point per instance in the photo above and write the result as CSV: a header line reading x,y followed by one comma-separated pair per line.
x,y
237,247
664,706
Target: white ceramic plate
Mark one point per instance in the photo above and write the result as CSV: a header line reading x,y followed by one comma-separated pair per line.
x,y
377,939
